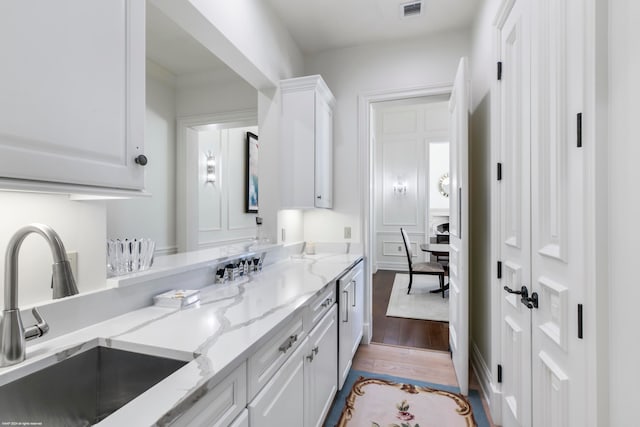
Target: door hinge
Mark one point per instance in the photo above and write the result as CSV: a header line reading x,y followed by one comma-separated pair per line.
x,y
499,70
579,130
499,373
580,321
499,269
499,171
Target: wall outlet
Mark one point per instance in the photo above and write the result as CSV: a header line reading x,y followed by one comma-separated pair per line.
x,y
283,234
73,261
347,232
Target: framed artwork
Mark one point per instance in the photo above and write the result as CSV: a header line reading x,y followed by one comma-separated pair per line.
x,y
252,173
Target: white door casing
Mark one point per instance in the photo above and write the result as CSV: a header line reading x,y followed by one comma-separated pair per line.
x,y
459,227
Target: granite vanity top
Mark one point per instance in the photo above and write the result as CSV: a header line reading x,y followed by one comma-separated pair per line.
x,y
230,322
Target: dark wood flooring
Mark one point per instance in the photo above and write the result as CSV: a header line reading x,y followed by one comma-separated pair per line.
x,y
426,334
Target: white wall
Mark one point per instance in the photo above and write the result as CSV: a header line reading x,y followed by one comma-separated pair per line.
x,y
353,71
483,74
244,34
404,133
624,210
214,91
81,226
153,217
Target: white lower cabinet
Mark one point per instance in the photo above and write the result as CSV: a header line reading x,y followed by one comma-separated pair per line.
x,y
221,404
281,401
292,379
321,366
351,313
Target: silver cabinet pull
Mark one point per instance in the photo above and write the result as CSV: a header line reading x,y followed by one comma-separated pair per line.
x,y
354,293
346,307
288,343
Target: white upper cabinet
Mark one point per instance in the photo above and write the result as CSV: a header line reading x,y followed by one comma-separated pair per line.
x,y
307,143
72,93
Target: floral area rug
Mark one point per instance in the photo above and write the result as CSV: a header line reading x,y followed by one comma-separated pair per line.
x,y
373,400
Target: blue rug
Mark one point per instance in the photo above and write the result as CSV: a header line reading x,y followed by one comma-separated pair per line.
x,y
479,418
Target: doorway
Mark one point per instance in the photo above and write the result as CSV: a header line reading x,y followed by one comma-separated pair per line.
x,y
410,167
212,213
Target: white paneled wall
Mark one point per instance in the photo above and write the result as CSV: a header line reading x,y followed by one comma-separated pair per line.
x,y
222,215
405,132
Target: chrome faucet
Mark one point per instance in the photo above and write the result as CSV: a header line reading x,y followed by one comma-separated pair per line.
x,y
13,335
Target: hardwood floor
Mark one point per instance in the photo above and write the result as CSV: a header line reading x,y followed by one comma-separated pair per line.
x,y
418,364
425,334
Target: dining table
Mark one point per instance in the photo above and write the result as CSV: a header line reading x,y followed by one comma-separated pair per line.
x,y
439,250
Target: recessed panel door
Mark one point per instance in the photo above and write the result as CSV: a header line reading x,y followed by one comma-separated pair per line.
x,y
515,208
459,227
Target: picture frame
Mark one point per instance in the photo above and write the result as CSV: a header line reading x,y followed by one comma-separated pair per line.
x,y
252,187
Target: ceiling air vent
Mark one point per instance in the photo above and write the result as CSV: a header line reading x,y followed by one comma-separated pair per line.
x,y
413,8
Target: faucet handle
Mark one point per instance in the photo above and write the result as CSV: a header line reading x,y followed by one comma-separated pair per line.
x,y
37,330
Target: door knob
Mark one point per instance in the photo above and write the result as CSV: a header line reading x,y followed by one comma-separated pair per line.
x,y
141,160
523,290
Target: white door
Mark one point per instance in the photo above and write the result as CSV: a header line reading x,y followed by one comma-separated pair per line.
x,y
515,218
559,371
459,227
542,215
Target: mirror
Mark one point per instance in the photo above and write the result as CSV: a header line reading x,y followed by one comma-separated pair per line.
x,y
193,103
443,185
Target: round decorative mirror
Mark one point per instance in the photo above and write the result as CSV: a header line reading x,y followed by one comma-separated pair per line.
x,y
443,185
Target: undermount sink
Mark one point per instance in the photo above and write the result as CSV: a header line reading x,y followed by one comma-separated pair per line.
x,y
84,389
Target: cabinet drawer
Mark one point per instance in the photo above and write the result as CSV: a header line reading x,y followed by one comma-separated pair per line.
x,y
281,401
266,361
221,404
320,304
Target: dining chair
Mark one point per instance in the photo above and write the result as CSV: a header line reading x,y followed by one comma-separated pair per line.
x,y
432,268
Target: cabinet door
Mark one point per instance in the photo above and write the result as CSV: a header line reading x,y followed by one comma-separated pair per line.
x,y
298,149
321,368
345,331
220,405
357,308
72,85
242,420
281,402
324,154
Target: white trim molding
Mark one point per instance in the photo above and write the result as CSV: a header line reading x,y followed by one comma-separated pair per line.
x,y
491,390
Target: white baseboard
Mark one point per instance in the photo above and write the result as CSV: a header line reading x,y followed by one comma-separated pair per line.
x,y
392,266
490,389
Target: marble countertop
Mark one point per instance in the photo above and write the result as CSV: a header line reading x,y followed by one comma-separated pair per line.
x,y
231,321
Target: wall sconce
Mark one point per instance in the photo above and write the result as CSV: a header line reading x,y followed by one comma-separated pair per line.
x,y
400,187
210,168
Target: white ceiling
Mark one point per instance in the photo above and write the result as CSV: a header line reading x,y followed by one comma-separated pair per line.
x,y
318,25
315,25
